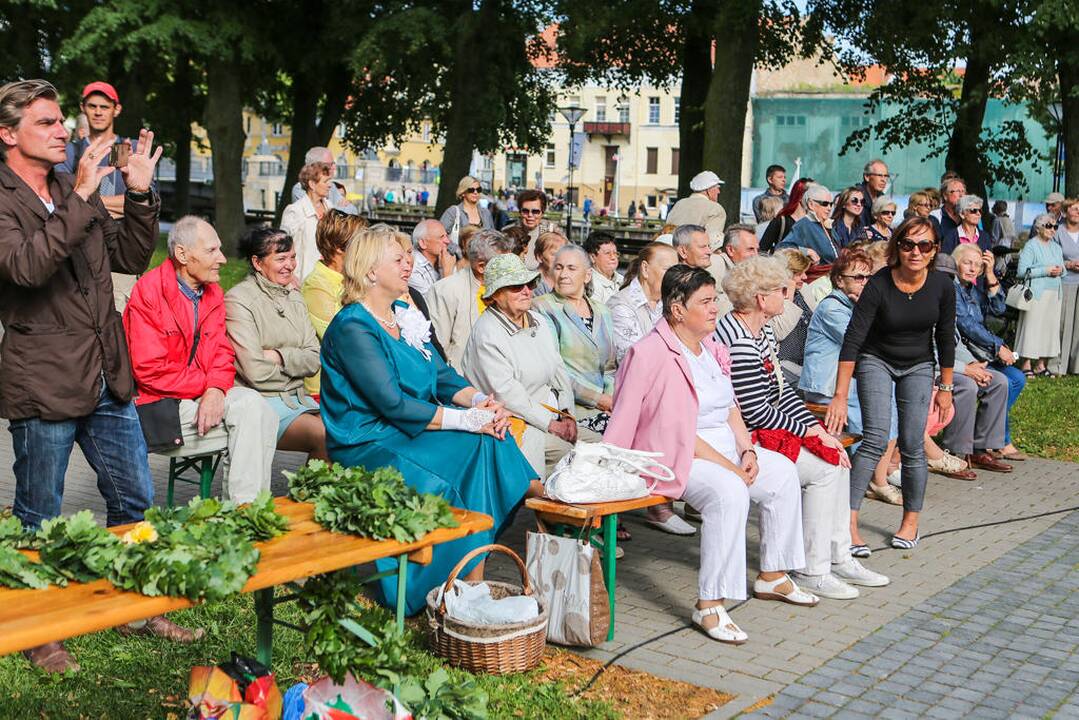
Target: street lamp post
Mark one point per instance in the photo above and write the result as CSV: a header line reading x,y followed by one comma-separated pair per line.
x,y
572,114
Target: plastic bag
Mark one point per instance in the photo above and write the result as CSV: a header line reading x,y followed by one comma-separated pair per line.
x,y
240,689
352,700
474,604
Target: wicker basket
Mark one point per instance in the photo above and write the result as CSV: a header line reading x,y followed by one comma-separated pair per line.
x,y
495,649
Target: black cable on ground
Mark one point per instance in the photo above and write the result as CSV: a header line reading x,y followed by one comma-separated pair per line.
x,y
737,605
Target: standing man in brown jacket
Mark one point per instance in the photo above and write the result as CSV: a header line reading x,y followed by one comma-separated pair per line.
x,y
65,376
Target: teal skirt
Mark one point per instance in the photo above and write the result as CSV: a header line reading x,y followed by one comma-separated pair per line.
x,y
474,472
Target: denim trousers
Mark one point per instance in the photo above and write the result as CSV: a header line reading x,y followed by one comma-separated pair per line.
x,y
1016,382
913,388
112,442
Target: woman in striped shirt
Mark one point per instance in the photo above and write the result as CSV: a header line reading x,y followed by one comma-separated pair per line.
x,y
757,288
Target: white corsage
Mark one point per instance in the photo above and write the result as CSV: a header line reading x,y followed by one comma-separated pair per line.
x,y
415,328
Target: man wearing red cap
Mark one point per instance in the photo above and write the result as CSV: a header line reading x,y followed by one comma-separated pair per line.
x,y
101,106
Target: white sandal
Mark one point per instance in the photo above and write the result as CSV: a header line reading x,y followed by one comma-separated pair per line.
x,y
725,630
767,590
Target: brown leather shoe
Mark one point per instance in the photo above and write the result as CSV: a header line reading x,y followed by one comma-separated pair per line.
x,y
162,627
52,657
985,461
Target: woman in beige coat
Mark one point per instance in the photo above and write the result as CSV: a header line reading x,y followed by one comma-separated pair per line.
x,y
276,346
300,219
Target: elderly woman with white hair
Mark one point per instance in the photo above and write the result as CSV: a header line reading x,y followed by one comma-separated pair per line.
x,y
883,211
813,233
467,211
757,287
967,231
1041,262
300,219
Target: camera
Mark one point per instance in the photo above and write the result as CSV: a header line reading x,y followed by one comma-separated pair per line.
x,y
119,154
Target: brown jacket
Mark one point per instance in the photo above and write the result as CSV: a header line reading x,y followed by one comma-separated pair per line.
x,y
61,328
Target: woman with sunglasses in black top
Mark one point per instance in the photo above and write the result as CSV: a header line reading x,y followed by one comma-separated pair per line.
x,y
904,311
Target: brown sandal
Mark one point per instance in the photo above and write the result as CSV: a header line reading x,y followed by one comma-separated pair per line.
x,y
162,627
52,657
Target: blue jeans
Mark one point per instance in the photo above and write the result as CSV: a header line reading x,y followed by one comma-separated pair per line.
x,y
112,441
1016,382
913,388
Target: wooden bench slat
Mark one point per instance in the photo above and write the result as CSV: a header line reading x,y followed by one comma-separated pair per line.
x,y
580,511
32,617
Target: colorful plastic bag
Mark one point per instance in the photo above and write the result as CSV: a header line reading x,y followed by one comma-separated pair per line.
x,y
240,689
352,700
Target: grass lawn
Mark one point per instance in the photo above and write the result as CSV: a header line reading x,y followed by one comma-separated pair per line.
x,y
135,678
1044,421
231,273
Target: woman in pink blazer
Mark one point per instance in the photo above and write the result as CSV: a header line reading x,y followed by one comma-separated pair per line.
x,y
673,395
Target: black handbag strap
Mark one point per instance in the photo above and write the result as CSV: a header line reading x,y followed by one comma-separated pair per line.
x,y
194,345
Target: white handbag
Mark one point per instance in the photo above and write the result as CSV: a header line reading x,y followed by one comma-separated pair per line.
x,y
601,472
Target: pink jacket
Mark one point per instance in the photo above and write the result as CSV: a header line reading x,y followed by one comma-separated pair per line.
x,y
655,403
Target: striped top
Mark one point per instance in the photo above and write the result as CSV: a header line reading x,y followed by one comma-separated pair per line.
x,y
756,380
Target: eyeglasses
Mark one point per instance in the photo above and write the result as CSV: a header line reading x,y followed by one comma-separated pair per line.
x,y
924,246
876,174
856,201
473,190
886,212
974,211
783,290
857,278
515,289
822,203
530,211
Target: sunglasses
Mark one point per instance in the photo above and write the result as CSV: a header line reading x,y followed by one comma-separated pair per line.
x,y
887,212
856,201
515,289
1050,226
858,278
924,246
975,211
473,190
529,211
823,203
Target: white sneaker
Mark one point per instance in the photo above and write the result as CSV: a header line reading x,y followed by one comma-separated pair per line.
x,y
673,525
854,573
828,586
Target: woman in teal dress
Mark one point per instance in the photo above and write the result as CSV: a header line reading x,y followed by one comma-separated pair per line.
x,y
388,398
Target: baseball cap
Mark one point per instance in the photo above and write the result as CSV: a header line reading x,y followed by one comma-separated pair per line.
x,y
101,87
1054,197
704,180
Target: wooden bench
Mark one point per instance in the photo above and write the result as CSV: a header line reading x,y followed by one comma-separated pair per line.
x,y
820,411
593,517
29,618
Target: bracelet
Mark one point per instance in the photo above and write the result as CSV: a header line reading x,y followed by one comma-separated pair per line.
x,y
137,196
945,387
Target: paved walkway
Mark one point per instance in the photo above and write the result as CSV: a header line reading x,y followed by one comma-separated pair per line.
x,y
658,576
1002,642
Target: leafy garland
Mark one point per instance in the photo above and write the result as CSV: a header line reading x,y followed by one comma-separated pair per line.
x,y
377,505
202,551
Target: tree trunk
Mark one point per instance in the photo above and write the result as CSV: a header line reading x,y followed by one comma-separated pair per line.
x,y
183,86
963,146
728,96
696,75
307,129
1068,70
466,79
224,126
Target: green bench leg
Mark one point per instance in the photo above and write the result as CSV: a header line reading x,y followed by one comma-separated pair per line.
x,y
172,482
610,542
402,587
264,630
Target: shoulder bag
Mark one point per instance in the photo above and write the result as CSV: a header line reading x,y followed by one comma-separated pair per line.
x,y
601,472
1020,296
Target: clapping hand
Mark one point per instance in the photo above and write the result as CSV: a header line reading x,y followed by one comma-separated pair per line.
x,y
139,171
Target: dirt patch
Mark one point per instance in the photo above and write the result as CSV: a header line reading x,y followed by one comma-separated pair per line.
x,y
637,695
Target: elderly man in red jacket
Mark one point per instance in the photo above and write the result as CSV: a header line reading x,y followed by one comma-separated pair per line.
x,y
183,363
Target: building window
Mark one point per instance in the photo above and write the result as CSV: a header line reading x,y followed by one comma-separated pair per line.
x,y
674,161
548,157
653,111
426,131
623,110
677,110
650,200
277,130
791,120
652,161
601,109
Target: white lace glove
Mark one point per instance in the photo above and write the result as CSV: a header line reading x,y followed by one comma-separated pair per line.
x,y
472,420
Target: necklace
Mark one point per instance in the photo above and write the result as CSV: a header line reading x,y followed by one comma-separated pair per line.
x,y
388,324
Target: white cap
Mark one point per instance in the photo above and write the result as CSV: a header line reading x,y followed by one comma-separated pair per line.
x,y
1053,197
704,180
666,239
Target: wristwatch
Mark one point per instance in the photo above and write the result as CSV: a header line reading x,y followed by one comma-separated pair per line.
x,y
140,196
945,387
